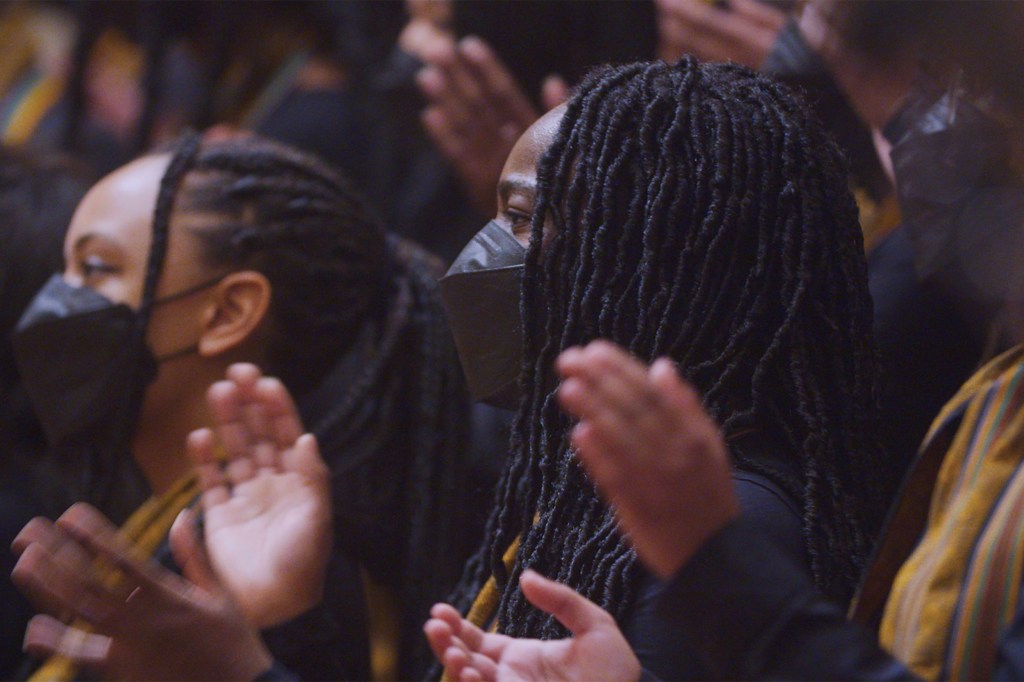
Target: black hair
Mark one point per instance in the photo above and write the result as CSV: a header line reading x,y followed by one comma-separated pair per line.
x,y
359,337
704,215
294,219
38,195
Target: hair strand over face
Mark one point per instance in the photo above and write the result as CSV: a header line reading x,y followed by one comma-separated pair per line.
x,y
705,216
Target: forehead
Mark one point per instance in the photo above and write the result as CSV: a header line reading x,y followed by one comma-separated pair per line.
x,y
522,160
119,208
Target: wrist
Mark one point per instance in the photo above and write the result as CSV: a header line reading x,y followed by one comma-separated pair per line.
x,y
667,549
284,607
249,662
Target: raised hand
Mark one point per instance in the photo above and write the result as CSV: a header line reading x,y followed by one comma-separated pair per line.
x,y
596,651
146,622
651,449
741,31
267,508
430,21
476,111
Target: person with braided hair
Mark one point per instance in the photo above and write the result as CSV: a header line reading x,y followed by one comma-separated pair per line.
x,y
254,253
696,212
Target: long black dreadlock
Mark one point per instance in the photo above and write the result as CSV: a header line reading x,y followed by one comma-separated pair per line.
x,y
704,215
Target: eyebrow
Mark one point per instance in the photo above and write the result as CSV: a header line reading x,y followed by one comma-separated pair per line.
x,y
509,185
82,242
90,237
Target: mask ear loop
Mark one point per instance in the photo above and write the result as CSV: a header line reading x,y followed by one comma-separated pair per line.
x,y
143,366
185,293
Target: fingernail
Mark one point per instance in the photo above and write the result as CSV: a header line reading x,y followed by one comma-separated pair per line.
x,y
472,44
429,79
568,355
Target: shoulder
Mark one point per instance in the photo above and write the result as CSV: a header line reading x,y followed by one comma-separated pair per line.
x,y
662,647
771,512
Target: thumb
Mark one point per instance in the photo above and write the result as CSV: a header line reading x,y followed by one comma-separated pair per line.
x,y
572,610
553,91
190,552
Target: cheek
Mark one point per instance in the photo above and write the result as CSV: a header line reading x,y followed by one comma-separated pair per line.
x,y
122,290
173,328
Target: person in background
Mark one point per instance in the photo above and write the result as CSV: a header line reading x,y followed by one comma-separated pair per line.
x,y
38,194
930,335
483,89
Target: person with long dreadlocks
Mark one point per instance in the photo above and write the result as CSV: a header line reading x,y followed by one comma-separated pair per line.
x,y
255,252
941,598
696,212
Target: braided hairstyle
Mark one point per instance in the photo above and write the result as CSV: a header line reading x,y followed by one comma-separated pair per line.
x,y
702,214
287,215
357,334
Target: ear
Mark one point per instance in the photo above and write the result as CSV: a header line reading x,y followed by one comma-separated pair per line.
x,y
239,305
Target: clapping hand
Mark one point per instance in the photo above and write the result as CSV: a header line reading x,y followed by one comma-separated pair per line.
x,y
596,651
261,560
148,624
476,111
651,449
267,508
741,31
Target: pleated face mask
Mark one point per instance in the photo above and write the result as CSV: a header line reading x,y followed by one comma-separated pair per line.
x,y
77,352
481,293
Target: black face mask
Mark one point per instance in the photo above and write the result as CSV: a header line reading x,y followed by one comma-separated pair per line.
x,y
81,357
481,293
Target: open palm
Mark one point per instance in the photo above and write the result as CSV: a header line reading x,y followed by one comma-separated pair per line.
x,y
596,651
587,657
267,506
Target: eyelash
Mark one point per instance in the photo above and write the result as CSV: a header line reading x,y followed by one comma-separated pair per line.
x,y
92,267
517,218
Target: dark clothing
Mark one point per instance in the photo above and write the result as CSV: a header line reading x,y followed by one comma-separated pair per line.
x,y
667,651
16,509
277,673
565,38
926,349
415,189
309,644
752,613
329,642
